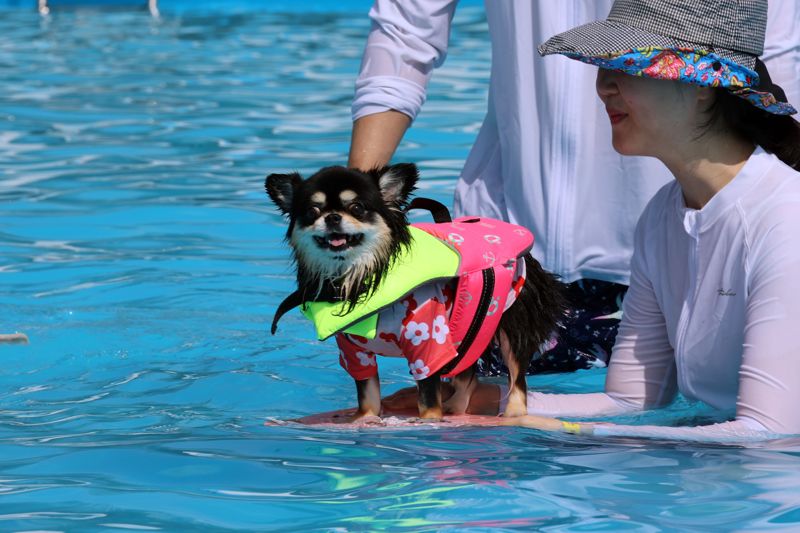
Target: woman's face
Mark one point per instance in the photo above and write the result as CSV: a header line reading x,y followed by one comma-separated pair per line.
x,y
648,116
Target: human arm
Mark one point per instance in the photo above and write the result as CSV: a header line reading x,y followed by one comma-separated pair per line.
x,y
375,138
769,375
641,372
407,41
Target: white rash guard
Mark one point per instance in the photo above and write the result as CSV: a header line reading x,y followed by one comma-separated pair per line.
x,y
713,311
543,158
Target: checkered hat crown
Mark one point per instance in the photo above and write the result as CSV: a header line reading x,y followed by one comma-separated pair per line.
x,y
733,29
713,43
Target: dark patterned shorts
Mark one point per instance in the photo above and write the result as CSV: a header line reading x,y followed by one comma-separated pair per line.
x,y
582,340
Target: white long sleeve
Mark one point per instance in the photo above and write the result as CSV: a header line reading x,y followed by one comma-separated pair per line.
x,y
739,430
407,41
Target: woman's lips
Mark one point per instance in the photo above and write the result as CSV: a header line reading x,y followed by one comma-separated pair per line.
x,y
616,116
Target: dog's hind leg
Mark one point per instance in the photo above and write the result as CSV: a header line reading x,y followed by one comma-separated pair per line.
x,y
517,386
429,397
369,397
526,325
464,384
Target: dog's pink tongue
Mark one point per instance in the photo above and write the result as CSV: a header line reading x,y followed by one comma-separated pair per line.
x,y
337,242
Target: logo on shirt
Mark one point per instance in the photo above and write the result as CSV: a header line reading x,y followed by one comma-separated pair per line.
x,y
725,292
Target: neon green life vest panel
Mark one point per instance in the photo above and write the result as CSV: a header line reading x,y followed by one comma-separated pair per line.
x,y
425,259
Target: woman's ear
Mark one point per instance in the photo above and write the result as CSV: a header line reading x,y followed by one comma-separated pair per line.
x,y
705,97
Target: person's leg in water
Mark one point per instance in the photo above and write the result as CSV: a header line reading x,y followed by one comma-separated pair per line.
x,y
584,338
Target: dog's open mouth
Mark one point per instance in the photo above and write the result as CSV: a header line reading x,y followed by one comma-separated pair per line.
x,y
339,242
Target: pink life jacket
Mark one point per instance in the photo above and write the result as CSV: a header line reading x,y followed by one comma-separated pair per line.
x,y
489,251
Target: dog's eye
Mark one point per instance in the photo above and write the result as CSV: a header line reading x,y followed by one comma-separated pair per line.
x,y
357,209
313,213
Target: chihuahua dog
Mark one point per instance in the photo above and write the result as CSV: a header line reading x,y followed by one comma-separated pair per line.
x,y
349,231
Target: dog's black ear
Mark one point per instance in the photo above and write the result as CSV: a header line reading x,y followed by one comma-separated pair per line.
x,y
396,182
281,187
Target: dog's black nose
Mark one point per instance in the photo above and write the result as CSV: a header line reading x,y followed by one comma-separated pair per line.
x,y
332,219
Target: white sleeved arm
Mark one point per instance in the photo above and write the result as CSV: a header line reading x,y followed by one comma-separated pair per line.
x,y
407,41
642,369
641,374
739,430
769,375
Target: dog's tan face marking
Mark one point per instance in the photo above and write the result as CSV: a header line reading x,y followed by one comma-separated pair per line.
x,y
347,196
318,198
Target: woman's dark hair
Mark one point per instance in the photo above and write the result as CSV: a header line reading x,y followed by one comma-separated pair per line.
x,y
777,134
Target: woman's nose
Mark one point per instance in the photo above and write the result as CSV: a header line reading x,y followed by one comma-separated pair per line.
x,y
606,83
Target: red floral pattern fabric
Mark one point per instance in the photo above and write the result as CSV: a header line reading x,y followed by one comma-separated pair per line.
x,y
416,328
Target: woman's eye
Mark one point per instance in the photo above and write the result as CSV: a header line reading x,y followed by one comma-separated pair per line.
x,y
313,212
357,209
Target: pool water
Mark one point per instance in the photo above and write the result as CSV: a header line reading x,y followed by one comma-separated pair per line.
x,y
140,254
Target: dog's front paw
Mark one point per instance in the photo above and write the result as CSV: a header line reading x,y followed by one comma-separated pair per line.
x,y
416,420
431,414
366,419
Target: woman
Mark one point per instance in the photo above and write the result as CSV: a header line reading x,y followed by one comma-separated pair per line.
x,y
714,301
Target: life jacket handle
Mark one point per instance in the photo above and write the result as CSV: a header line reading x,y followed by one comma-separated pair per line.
x,y
437,209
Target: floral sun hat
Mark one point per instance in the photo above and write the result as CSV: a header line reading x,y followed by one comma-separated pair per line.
x,y
713,43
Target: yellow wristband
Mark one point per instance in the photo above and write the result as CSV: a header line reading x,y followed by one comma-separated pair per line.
x,y
571,427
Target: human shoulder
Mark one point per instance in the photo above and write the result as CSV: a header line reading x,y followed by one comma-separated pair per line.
x,y
774,198
771,211
658,210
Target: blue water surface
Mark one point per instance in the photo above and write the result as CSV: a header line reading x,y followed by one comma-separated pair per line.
x,y
140,254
